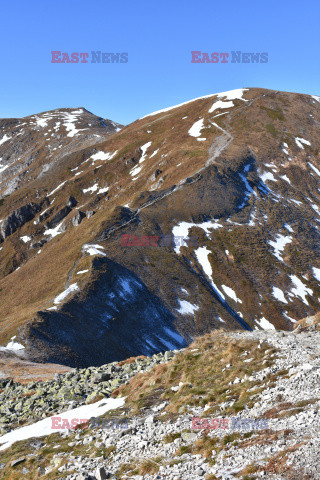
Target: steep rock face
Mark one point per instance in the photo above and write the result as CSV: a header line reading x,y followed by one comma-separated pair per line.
x,y
18,218
213,205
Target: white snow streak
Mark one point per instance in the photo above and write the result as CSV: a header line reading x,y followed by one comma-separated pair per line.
x,y
73,288
44,427
231,95
56,189
300,289
4,139
231,293
300,141
202,254
93,249
138,168
220,104
278,294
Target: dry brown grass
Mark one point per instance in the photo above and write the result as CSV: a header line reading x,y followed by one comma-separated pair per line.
x,y
287,409
204,376
43,276
131,360
148,466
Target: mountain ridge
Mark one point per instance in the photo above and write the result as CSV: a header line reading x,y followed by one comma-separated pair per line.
x,y
248,182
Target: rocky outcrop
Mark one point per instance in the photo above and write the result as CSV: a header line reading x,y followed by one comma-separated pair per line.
x,y
60,215
77,219
18,218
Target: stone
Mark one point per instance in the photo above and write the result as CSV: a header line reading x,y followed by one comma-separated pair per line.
x,y
77,219
101,377
90,213
100,473
72,202
14,463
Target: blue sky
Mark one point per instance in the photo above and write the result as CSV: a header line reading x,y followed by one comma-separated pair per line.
x,y
159,38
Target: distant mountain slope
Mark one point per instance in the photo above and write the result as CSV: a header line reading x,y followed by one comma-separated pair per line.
x,y
32,146
238,173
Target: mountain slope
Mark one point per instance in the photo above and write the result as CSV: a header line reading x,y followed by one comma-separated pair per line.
x,y
31,146
237,173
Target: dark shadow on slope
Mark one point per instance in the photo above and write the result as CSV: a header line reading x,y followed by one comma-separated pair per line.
x,y
115,318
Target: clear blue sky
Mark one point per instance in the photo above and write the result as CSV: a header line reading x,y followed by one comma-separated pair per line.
x,y
158,37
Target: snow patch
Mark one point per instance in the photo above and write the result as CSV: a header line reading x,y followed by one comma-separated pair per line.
x,y
25,238
195,130
265,324
300,289
231,293
41,122
288,227
44,427
92,189
279,245
69,119
267,176
202,254
220,104
103,190
154,153
182,230
316,273
300,141
314,169
103,156
93,249
137,168
13,346
187,308
54,231
278,294
230,95
284,177
73,288
4,139
57,188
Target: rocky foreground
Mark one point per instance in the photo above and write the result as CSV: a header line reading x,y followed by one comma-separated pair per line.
x,y
232,405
